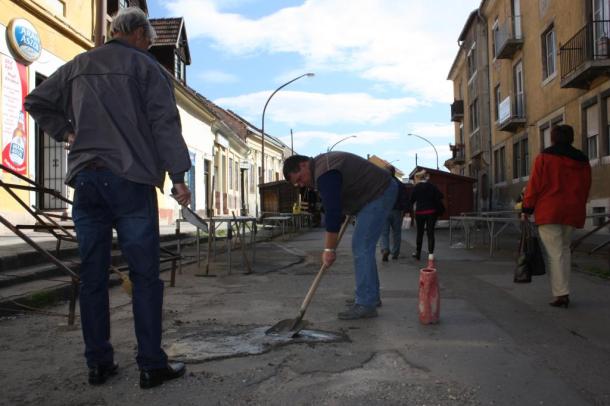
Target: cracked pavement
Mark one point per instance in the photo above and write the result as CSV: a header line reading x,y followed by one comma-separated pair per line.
x,y
497,343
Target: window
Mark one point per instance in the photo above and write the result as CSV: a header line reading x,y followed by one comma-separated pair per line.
x,y
462,133
230,173
123,4
474,115
606,148
519,92
520,158
472,61
236,175
545,131
548,53
592,117
599,219
494,32
500,164
498,97
179,68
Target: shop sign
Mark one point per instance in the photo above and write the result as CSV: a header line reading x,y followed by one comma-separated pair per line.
x,y
14,126
23,39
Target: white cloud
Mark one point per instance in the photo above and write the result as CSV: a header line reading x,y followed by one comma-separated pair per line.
x,y
432,130
292,108
408,43
218,77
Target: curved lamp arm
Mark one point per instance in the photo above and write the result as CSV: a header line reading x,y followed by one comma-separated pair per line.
x,y
435,151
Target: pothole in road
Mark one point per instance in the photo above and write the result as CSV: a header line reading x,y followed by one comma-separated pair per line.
x,y
199,344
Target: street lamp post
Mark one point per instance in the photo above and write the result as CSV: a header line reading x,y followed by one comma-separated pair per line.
x,y
425,139
341,140
262,178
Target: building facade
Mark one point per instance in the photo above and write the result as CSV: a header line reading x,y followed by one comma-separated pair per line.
x,y
470,109
548,63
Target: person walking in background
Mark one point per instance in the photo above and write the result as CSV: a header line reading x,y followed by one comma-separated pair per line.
x,y
349,185
428,206
115,106
394,221
557,194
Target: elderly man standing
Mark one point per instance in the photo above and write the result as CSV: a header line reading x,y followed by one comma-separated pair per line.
x,y
556,194
115,107
350,185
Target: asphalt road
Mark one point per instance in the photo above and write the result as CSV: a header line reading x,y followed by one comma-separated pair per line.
x,y
497,343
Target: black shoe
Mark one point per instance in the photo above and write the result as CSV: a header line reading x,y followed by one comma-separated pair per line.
x,y
351,301
99,374
416,255
395,256
384,256
358,312
149,378
561,301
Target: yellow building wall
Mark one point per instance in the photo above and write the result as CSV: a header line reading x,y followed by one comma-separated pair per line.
x,y
545,99
64,36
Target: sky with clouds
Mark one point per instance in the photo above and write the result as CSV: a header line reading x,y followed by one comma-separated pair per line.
x,y
380,69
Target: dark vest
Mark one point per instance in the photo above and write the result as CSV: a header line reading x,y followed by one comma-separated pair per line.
x,y
362,181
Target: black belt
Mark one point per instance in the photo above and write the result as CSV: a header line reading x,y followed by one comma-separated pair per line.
x,y
96,166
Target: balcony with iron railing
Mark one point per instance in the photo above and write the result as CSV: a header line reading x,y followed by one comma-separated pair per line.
x,y
509,38
459,154
457,110
586,56
511,114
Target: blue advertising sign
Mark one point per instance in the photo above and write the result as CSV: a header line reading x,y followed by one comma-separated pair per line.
x,y
24,40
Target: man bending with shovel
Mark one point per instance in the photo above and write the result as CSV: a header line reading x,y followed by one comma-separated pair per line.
x,y
349,185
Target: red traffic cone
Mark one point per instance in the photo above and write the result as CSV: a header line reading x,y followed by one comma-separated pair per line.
x,y
431,263
429,297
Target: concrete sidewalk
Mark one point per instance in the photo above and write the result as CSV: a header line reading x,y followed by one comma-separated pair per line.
x,y
498,343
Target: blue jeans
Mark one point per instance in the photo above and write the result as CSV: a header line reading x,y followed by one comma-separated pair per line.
x,y
394,222
103,201
369,223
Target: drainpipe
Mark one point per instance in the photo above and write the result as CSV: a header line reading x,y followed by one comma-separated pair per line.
x,y
100,22
489,87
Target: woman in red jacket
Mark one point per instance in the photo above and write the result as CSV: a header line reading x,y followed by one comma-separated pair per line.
x,y
557,194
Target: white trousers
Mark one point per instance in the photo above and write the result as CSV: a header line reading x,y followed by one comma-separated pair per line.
x,y
556,240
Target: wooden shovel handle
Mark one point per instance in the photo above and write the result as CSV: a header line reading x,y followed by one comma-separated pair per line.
x,y
316,281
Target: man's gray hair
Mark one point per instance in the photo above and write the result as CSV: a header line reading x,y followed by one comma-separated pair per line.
x,y
127,20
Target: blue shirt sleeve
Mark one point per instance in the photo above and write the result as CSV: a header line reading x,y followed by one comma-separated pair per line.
x,y
329,186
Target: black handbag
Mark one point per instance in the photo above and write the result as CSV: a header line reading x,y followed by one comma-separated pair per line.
x,y
530,260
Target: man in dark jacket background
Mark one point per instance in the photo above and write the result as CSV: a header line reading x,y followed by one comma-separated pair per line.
x,y
394,220
556,194
349,185
115,106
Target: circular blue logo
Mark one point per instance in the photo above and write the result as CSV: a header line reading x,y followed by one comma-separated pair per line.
x,y
24,39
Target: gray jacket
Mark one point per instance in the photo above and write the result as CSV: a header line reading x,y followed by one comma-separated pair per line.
x,y
120,104
362,183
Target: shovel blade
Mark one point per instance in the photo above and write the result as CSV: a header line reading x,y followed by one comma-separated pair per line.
x,y
287,328
194,219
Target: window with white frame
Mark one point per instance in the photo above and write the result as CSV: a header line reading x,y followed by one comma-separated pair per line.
x,y
592,117
548,53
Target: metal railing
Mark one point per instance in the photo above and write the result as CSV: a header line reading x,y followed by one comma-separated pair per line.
x,y
591,42
510,30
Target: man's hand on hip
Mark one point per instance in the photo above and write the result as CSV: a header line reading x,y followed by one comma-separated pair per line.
x,y
181,193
